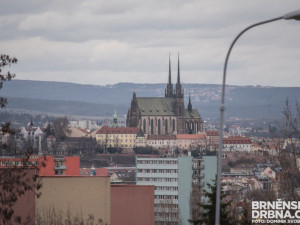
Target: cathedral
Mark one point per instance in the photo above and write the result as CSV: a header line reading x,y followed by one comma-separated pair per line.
x,y
165,115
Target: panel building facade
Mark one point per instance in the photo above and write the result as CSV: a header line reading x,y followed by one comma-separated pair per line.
x,y
173,179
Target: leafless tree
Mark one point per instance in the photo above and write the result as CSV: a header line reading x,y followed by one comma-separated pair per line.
x,y
53,216
15,180
168,212
287,153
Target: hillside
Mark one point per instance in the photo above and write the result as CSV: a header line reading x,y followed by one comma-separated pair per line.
x,y
92,100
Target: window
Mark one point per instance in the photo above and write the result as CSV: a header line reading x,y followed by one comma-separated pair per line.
x,y
173,128
166,126
152,129
158,127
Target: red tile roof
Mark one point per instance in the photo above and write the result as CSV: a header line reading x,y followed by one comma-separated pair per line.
x,y
236,140
191,136
118,130
212,133
83,130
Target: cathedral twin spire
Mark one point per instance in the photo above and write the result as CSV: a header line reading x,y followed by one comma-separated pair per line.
x,y
178,90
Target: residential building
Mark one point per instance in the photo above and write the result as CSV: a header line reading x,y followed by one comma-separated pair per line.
x,y
191,141
164,115
172,178
84,124
123,137
237,143
141,139
266,176
76,132
213,138
34,136
47,165
132,205
167,142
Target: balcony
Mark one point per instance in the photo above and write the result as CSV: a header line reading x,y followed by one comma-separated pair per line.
x,y
60,168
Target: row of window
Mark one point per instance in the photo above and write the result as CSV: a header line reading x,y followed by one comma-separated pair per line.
x,y
166,197
150,179
189,140
158,162
19,163
237,146
116,135
163,188
158,126
165,223
118,140
161,142
157,171
165,206
166,215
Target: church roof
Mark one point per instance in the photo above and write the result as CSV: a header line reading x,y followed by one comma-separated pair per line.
x,y
157,106
191,114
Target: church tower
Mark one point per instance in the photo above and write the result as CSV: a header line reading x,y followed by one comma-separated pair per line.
x,y
169,89
179,102
190,107
115,120
132,115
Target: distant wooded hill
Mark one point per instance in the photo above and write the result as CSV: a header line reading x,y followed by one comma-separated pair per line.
x,y
92,100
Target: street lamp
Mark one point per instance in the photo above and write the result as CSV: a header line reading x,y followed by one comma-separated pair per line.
x,y
292,15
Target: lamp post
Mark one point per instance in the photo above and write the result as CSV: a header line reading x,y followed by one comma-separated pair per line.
x,y
292,15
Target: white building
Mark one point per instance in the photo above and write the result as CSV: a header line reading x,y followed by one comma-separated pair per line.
x,y
237,143
162,141
33,135
172,178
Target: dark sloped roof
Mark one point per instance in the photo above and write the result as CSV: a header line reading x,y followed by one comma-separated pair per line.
x,y
156,106
191,114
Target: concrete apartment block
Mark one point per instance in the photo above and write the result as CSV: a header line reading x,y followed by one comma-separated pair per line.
x,y
172,178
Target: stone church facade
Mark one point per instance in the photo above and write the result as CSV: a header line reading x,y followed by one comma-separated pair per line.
x,y
165,115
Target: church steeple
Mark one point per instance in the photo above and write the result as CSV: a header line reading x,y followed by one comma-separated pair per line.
x,y
178,90
115,120
178,72
169,89
190,108
169,71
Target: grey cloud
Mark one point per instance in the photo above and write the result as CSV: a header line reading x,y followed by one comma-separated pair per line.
x,y
130,40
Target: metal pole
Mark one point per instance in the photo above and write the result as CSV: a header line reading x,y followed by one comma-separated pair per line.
x,y
222,109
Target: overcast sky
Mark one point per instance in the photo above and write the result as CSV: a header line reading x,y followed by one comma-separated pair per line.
x,y
111,41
